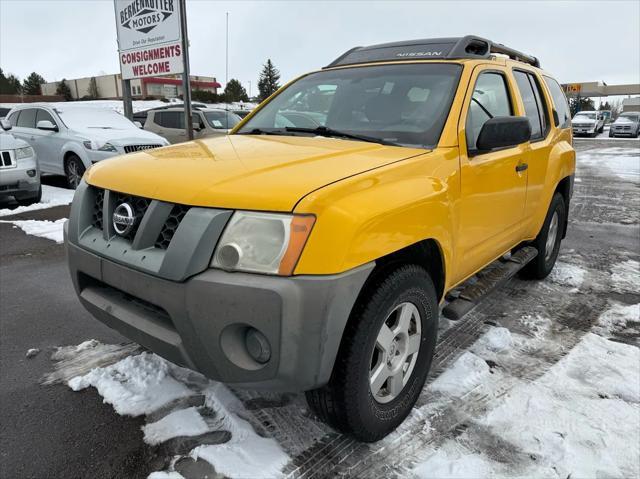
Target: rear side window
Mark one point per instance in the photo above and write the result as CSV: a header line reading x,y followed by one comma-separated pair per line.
x,y
168,119
13,118
490,99
533,103
27,118
559,102
44,115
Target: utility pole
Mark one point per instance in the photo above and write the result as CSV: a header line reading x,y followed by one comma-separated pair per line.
x,y
226,71
126,99
249,90
186,83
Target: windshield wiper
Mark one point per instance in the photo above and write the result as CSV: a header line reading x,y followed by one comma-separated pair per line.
x,y
330,132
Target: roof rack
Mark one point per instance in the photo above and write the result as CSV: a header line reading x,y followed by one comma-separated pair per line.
x,y
471,46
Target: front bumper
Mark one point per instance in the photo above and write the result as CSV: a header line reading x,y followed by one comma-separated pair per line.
x,y
17,182
201,323
578,130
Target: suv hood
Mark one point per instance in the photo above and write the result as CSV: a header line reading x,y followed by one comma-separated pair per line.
x,y
241,171
120,136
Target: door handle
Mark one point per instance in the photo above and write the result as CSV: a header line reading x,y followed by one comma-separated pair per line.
x,y
521,167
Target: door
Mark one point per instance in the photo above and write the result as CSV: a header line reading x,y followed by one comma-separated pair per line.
x,y
48,144
494,183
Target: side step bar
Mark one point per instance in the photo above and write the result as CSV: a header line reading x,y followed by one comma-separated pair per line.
x,y
471,295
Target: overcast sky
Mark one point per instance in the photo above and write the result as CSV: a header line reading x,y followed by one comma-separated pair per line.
x,y
577,41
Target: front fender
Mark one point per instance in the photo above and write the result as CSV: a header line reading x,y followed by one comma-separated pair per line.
x,y
371,215
74,147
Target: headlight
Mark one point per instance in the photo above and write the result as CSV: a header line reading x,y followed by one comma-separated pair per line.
x,y
262,242
26,152
94,145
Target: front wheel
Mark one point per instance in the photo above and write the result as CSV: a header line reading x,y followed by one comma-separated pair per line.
x,y
384,357
74,169
548,240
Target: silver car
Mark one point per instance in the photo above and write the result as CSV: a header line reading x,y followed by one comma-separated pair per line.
x,y
69,139
168,122
627,124
19,173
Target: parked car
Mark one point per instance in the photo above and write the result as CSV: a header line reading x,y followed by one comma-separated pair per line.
x,y
627,124
68,139
314,259
588,123
19,173
4,111
606,116
141,116
169,122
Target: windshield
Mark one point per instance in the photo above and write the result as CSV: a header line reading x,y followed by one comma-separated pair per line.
x,y
585,116
94,118
629,117
399,104
222,119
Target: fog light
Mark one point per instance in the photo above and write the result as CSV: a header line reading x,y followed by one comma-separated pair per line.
x,y
229,255
257,345
31,173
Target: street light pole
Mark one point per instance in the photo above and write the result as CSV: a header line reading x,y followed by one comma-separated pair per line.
x,y
186,83
226,71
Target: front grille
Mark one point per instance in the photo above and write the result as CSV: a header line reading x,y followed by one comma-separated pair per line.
x,y
171,225
13,186
6,161
134,148
139,206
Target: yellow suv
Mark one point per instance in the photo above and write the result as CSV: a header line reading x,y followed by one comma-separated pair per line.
x,y
310,249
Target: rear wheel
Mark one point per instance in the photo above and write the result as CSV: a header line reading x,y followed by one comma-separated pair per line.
x,y
384,357
74,169
548,240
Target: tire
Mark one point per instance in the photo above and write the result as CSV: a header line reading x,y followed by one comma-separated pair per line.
x,y
31,199
637,133
347,402
611,135
74,169
548,242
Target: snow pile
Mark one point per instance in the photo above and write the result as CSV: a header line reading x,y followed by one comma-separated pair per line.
x,y
468,372
622,162
183,422
43,228
145,384
567,275
617,319
626,276
135,385
579,419
51,196
496,339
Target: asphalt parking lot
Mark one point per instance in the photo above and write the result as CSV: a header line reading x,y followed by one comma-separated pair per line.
x,y
52,431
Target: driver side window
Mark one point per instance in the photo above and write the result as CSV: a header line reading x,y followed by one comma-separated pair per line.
x,y
490,99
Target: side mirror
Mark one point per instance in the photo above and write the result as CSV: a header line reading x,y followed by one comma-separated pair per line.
x,y
503,131
138,124
46,125
6,126
196,126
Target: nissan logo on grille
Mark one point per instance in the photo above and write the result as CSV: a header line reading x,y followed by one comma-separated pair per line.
x,y
124,219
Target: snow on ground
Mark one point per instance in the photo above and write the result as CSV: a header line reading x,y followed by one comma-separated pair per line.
x,y
51,196
625,276
620,320
579,419
145,384
622,162
567,275
43,228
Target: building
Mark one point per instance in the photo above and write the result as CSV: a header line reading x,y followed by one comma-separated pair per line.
x,y
631,104
110,86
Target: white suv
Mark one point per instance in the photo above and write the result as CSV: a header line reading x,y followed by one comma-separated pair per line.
x,y
69,139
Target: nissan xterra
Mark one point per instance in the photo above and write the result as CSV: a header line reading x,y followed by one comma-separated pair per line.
x,y
310,249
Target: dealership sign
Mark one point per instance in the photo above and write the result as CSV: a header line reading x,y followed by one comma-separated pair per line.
x,y
149,41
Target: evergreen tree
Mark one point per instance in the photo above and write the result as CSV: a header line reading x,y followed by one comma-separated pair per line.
x,y
9,84
268,82
32,85
93,88
234,91
580,104
64,90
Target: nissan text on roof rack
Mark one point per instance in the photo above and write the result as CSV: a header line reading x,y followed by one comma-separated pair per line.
x,y
310,249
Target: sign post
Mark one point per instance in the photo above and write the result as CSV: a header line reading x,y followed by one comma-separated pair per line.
x,y
152,41
186,84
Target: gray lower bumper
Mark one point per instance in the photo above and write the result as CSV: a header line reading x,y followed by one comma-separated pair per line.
x,y
199,323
